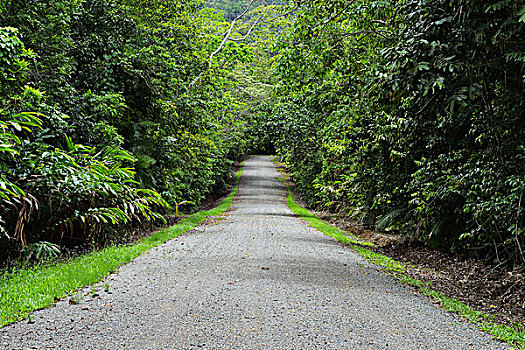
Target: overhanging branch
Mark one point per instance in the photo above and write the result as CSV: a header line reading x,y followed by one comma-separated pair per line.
x,y
224,40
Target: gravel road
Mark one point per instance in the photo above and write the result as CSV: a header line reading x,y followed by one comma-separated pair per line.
x,y
259,278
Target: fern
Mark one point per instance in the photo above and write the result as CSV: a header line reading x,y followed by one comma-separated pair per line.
x,y
387,220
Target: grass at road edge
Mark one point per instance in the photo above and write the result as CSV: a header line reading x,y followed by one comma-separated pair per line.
x,y
323,226
509,334
23,291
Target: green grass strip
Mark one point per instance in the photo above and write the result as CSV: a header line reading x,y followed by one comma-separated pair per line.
x,y
323,226
509,334
22,291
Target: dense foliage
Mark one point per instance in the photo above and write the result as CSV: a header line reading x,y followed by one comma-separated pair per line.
x,y
408,116
233,8
101,127
405,115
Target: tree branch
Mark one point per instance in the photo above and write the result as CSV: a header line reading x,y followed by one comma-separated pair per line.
x,y
249,31
227,35
229,31
224,40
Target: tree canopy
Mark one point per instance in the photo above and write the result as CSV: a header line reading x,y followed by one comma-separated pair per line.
x,y
406,116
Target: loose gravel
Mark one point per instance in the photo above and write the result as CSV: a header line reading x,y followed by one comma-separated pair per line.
x,y
259,278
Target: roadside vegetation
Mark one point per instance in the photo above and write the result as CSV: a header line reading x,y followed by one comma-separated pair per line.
x,y
26,289
407,116
103,125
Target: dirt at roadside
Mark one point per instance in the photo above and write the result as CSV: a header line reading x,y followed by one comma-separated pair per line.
x,y
493,289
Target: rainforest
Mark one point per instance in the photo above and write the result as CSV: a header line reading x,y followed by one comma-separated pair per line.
x,y
405,116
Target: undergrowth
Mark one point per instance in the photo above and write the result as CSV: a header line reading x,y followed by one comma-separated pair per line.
x,y
24,290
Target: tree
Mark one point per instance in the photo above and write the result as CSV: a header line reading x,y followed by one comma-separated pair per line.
x,y
406,116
